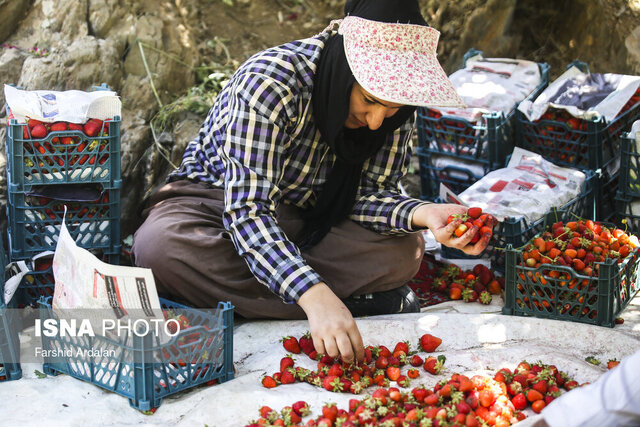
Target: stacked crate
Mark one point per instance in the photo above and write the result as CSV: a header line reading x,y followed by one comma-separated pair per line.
x,y
9,345
582,144
62,171
628,195
476,148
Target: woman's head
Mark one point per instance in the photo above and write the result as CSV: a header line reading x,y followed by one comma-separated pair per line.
x,y
368,110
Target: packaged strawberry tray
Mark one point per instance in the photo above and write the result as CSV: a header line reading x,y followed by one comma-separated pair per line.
x,y
63,153
143,369
581,271
10,368
35,217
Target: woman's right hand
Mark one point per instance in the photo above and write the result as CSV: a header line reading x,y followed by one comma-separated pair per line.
x,y
332,327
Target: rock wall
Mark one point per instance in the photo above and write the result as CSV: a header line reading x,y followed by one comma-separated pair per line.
x,y
81,43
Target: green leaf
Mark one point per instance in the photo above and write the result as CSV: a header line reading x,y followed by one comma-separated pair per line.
x,y
40,374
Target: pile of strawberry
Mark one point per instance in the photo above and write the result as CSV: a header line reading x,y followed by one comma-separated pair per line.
x,y
581,245
380,367
54,146
458,400
454,136
473,217
449,280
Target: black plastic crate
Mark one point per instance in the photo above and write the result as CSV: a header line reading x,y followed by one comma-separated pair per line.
x,y
625,211
35,220
456,178
518,231
143,369
487,143
629,183
559,292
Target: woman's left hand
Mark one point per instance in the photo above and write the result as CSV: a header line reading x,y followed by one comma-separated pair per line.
x,y
434,216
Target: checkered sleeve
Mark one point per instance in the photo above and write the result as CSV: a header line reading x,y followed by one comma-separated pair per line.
x,y
380,206
260,109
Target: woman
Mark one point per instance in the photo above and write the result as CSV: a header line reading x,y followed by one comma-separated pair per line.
x,y
296,171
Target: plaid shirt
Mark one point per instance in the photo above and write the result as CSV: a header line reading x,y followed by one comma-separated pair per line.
x,y
260,144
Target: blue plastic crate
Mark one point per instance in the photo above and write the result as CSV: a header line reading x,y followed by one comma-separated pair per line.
x,y
63,157
561,293
34,221
518,231
10,368
145,370
40,282
487,144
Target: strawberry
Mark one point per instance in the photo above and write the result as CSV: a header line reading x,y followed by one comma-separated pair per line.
x,y
269,381
402,346
519,401
287,376
76,126
286,362
91,128
306,343
291,344
332,383
301,408
393,373
429,343
474,212
540,386
533,395
538,406
612,363
416,360
434,365
330,411
335,370
39,131
267,413
59,126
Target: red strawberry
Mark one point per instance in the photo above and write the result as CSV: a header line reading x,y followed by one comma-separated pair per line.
x,y
393,373
519,401
336,370
306,343
330,411
291,345
39,131
416,360
612,363
91,128
429,343
288,376
75,126
540,386
433,365
301,408
269,382
59,126
286,362
266,412
332,383
402,346
474,212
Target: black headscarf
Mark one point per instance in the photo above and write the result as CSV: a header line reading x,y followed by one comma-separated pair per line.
x,y
331,94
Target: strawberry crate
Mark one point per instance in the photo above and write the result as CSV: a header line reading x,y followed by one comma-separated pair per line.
x,y
10,368
72,154
486,143
559,292
629,181
518,231
142,368
39,281
92,218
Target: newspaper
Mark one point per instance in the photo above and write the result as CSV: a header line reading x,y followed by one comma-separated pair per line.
x,y
108,294
72,106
